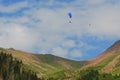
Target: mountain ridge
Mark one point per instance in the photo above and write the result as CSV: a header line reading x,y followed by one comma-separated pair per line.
x,y
51,65
43,63
111,56
108,52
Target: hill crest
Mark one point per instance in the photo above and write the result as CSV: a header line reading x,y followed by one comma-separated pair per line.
x,y
111,55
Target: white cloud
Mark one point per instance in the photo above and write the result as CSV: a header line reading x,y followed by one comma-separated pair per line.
x,y
58,51
105,21
69,44
16,36
48,29
13,7
76,54
85,46
95,1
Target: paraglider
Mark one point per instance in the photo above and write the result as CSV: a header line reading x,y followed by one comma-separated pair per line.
x,y
70,16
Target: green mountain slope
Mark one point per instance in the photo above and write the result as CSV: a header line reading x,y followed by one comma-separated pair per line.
x,y
44,64
13,69
59,62
108,60
105,66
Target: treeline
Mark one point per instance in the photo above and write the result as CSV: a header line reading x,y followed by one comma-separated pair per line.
x,y
12,69
95,75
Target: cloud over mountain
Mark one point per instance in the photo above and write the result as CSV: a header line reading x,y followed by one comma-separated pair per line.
x,y
42,25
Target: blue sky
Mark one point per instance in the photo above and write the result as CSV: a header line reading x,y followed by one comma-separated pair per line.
x,y
42,26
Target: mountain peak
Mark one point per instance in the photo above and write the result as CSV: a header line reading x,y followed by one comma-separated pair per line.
x,y
115,47
107,53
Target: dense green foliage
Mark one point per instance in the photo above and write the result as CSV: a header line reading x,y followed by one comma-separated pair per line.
x,y
60,75
12,69
91,74
88,74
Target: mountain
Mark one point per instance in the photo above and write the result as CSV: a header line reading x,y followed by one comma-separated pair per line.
x,y
105,66
53,67
44,64
13,69
59,62
108,61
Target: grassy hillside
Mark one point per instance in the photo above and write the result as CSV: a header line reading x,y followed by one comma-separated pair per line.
x,y
13,69
102,65
59,62
107,69
105,66
44,65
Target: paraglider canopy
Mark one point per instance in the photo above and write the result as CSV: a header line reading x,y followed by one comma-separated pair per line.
x,y
70,15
